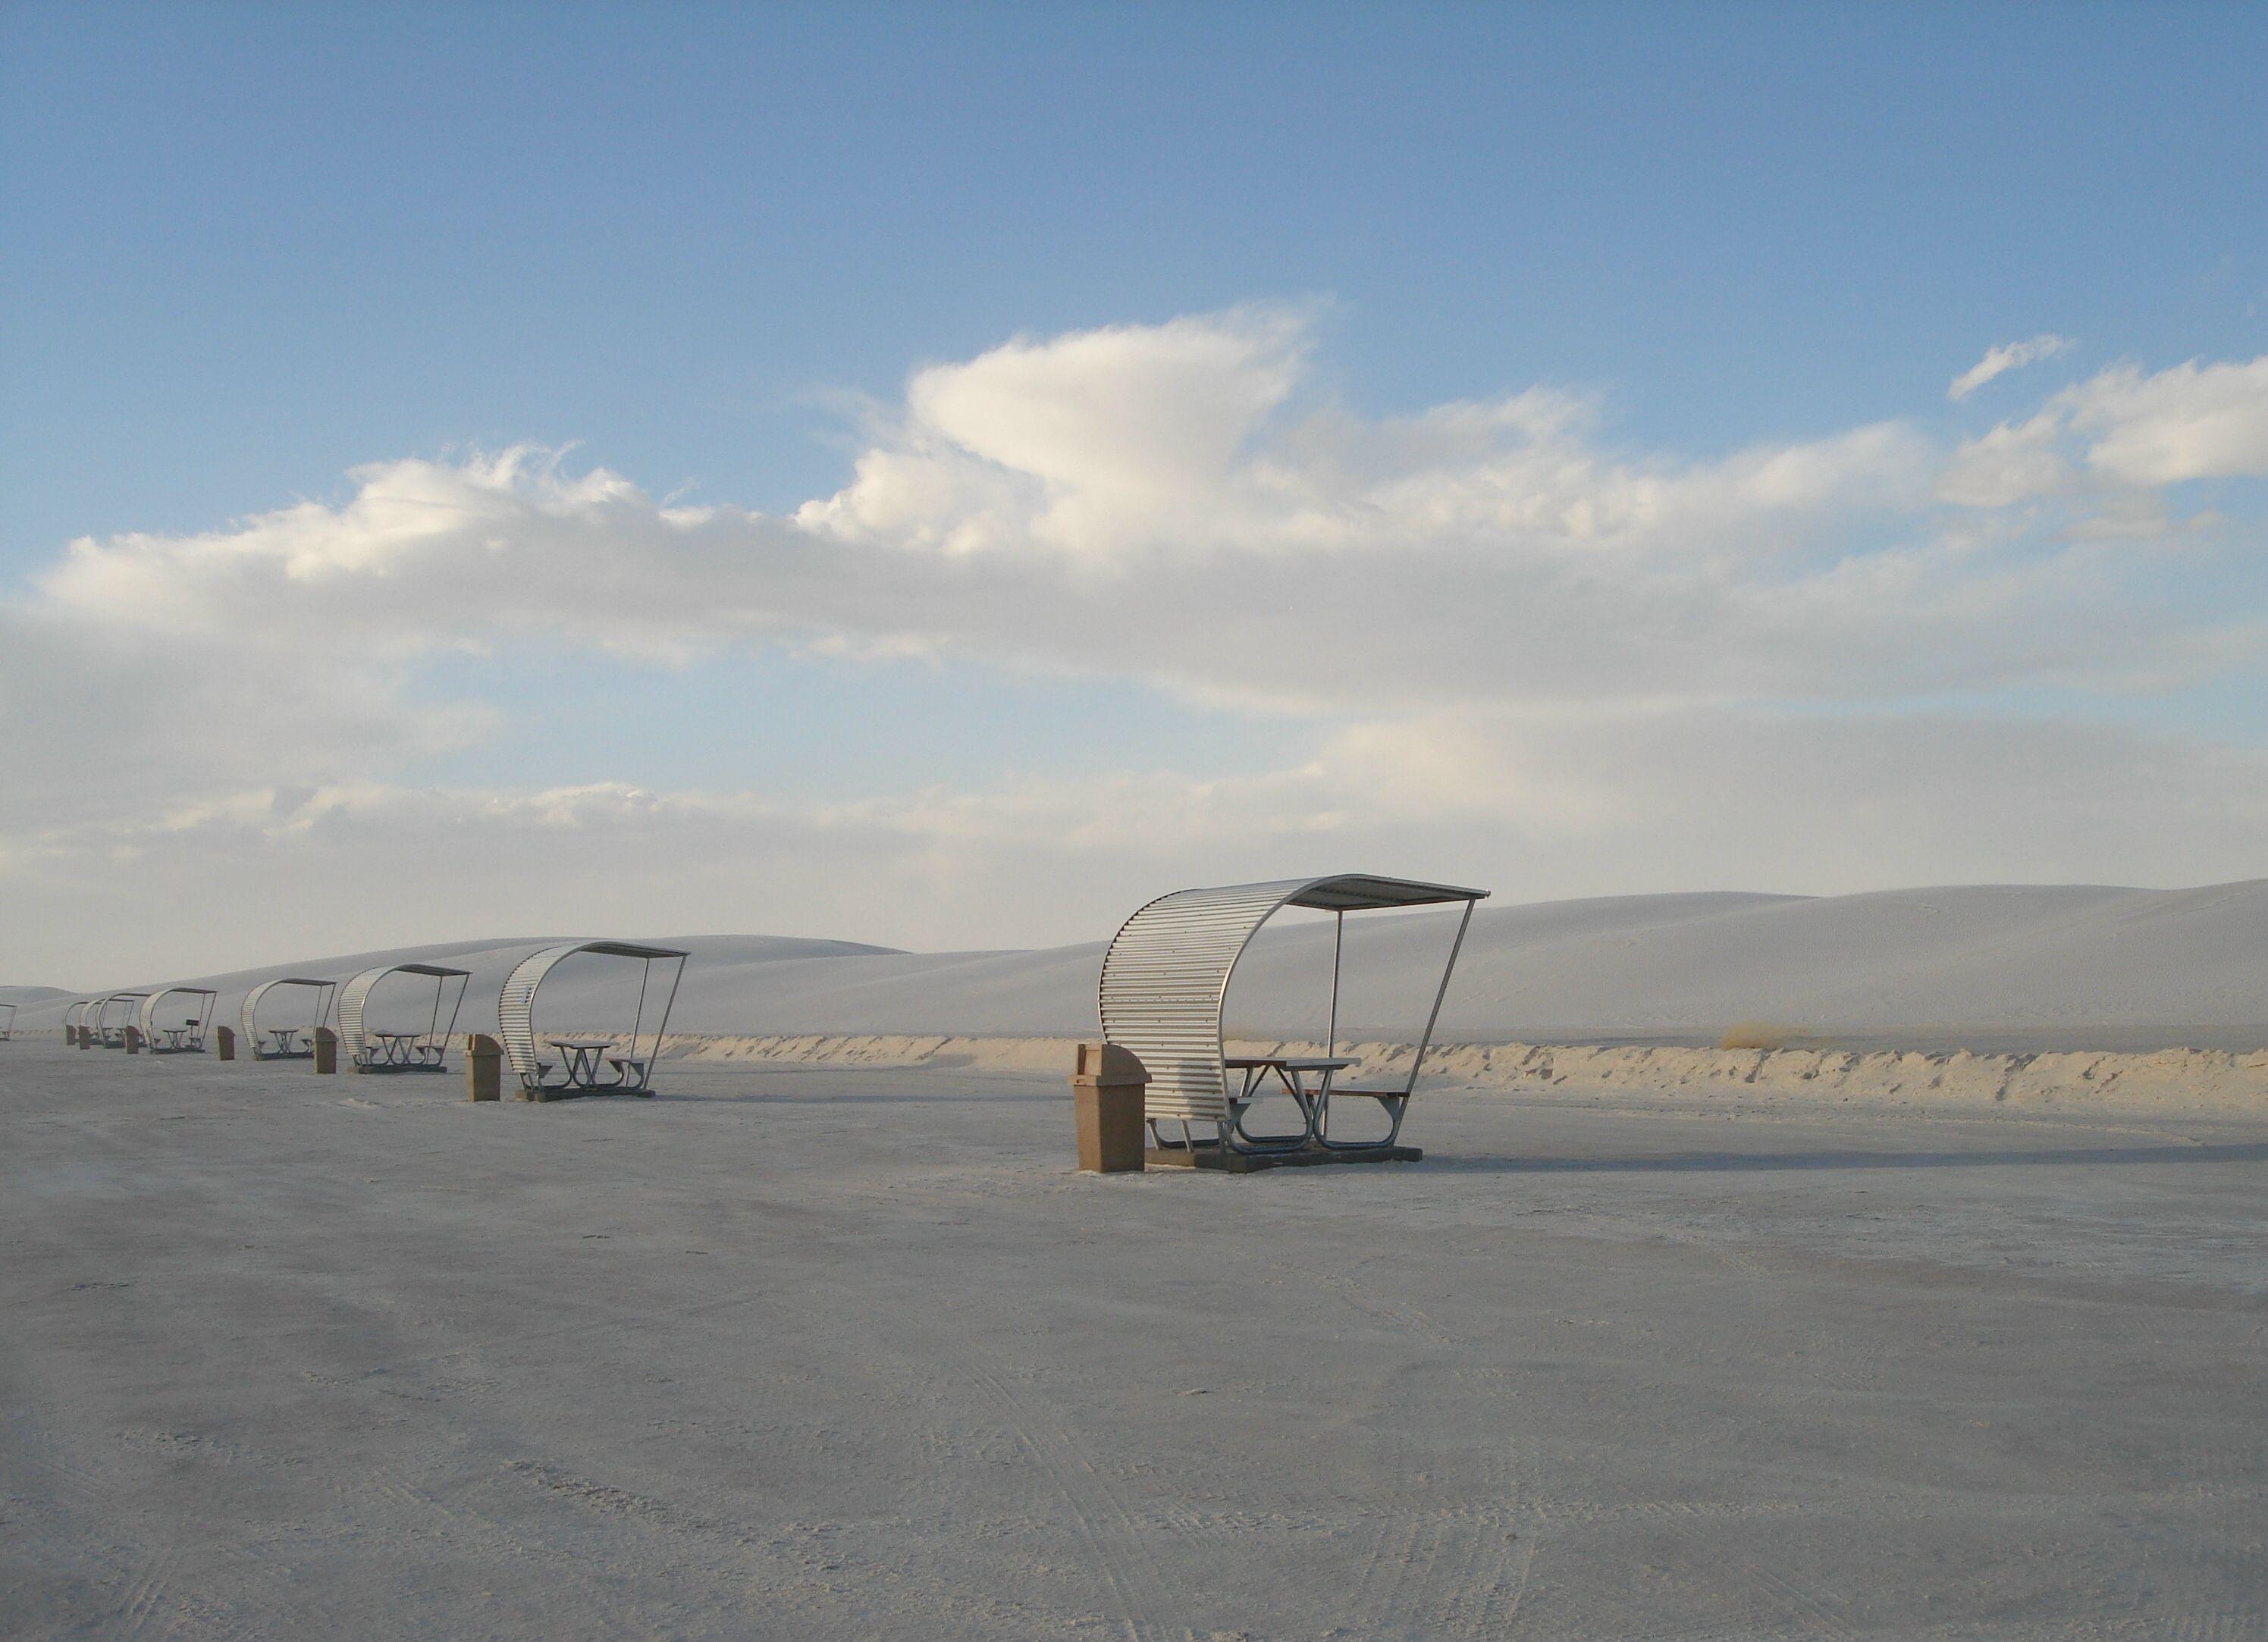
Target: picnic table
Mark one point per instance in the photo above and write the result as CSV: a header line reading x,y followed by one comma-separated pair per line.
x,y
1307,1079
582,1058
287,1039
397,1048
176,1035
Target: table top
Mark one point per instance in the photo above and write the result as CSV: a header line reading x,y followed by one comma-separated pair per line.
x,y
580,1043
1289,1063
391,1036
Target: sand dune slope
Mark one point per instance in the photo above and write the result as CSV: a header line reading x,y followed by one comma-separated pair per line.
x,y
2008,967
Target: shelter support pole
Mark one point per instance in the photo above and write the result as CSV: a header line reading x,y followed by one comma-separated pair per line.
x,y
1449,969
224,1042
1107,1084
1338,949
326,1050
484,1068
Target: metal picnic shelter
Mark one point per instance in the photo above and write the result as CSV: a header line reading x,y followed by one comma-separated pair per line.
x,y
188,1037
285,1042
1165,981
578,1069
369,1049
109,1034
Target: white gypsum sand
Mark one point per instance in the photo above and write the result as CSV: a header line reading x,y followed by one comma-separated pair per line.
x,y
819,1352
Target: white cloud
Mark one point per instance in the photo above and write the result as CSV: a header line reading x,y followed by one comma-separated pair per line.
x,y
2193,421
1045,506
2014,463
2006,357
2118,435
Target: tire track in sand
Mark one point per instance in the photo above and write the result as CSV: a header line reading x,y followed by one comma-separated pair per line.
x,y
1104,1523
1403,1585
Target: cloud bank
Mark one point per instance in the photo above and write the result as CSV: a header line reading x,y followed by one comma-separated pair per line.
x,y
1498,645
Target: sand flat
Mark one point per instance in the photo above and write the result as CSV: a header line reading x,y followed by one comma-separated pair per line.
x,y
830,1353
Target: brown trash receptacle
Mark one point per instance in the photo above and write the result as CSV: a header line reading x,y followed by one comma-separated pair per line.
x,y
133,1040
1107,1084
81,1036
327,1049
484,1068
224,1042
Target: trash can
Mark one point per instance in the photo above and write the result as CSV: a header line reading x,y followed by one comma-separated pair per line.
x,y
484,1068
1107,1084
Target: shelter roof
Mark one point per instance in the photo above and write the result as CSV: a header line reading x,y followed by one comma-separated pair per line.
x,y
1360,892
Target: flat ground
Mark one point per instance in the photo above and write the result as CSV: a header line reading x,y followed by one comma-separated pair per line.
x,y
854,1354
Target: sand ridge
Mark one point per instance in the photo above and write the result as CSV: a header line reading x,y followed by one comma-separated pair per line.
x,y
2198,1082
2005,966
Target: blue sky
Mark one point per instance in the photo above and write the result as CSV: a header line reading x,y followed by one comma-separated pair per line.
x,y
254,250
255,246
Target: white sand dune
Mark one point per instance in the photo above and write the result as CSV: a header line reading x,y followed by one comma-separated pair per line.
x,y
2005,968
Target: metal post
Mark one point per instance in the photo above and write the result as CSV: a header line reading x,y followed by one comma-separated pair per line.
x,y
1338,946
1448,969
661,1025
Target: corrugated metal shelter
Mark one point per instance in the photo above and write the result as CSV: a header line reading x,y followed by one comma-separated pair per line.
x,y
188,1038
370,1050
284,1047
1166,977
577,1071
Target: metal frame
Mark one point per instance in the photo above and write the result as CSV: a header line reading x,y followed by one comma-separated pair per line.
x,y
516,1021
248,1017
193,1037
427,1051
1165,984
109,1036
75,1016
8,1025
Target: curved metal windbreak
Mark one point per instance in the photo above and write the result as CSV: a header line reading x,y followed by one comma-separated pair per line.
x,y
516,1010
248,1017
429,1046
76,1015
109,1032
191,1040
1166,977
